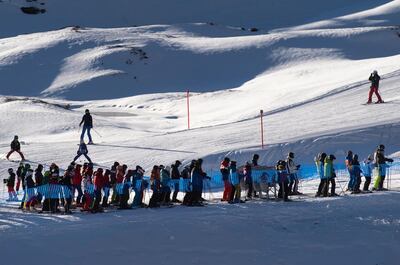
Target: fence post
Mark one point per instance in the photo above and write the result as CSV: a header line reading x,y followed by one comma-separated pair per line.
x,y
188,109
262,129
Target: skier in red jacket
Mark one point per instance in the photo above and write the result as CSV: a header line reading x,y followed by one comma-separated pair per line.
x,y
374,78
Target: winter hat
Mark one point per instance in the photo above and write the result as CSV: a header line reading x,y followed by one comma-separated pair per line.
x,y
375,72
332,157
86,111
10,170
178,163
16,137
291,155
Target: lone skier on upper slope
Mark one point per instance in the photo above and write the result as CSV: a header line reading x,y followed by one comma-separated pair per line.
x,y
374,78
87,125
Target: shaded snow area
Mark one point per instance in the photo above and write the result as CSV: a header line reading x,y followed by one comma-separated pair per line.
x,y
306,65
349,230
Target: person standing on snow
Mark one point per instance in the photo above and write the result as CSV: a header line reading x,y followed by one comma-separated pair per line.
x,y
380,162
87,122
367,172
15,147
292,169
12,195
82,151
319,162
374,79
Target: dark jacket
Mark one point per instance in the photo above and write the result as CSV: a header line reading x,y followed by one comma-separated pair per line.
x,y
11,180
374,78
175,172
38,178
82,149
15,145
380,157
87,120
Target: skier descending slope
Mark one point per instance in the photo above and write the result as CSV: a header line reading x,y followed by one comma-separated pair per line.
x,y
15,147
87,122
82,151
374,78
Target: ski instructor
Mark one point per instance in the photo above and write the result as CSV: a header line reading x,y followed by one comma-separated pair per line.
x,y
374,78
87,122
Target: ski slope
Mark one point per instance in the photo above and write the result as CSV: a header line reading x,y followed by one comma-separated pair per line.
x,y
307,67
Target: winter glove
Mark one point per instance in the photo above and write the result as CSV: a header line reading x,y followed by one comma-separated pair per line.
x,y
390,160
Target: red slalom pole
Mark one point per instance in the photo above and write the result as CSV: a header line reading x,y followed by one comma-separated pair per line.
x,y
188,109
262,128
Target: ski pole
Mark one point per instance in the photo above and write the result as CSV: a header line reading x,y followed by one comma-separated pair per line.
x,y
97,133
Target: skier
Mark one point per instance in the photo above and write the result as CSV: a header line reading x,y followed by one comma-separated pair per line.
x,y
155,184
197,184
67,182
39,181
256,184
106,188
367,172
374,78
20,171
349,165
380,162
175,176
248,180
283,180
319,162
330,175
82,150
165,189
15,147
12,195
292,169
87,122
98,186
77,184
224,169
29,195
357,175
234,179
139,185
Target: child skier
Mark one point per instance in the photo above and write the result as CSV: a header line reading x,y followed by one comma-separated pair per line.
x,y
15,147
82,150
155,184
224,169
367,172
234,179
357,175
283,180
319,162
292,169
12,195
329,174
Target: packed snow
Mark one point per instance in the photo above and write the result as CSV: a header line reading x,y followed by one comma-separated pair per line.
x,y
306,66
